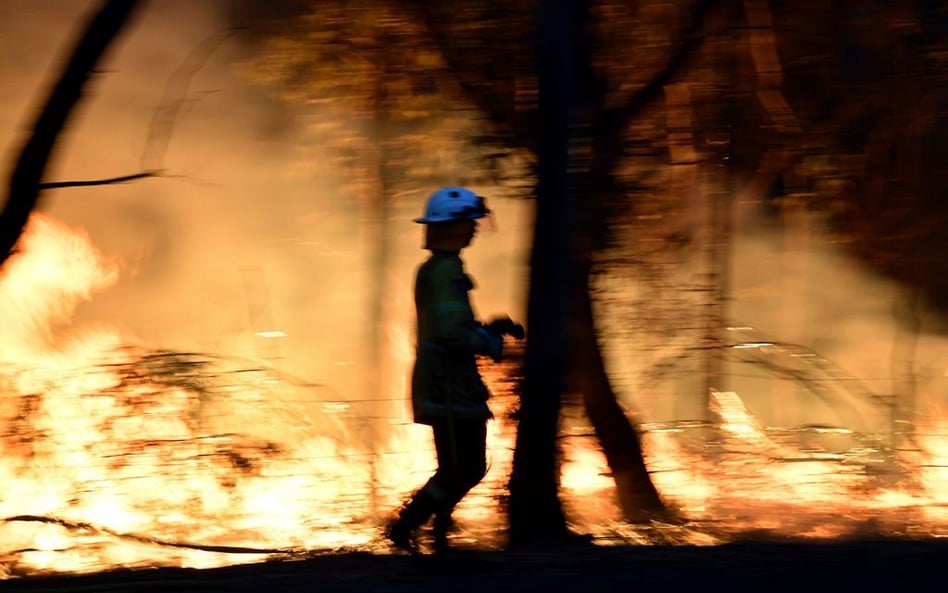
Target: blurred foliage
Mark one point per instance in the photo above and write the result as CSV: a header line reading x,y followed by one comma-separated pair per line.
x,y
829,108
375,96
844,116
868,82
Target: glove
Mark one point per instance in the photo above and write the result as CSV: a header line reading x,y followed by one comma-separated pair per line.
x,y
505,326
495,343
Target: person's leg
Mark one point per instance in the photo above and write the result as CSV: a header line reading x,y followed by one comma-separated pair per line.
x,y
460,446
463,451
416,511
471,447
419,508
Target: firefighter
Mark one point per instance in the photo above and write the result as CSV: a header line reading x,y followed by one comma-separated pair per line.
x,y
447,392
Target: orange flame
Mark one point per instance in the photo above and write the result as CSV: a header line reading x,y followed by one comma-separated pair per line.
x,y
116,455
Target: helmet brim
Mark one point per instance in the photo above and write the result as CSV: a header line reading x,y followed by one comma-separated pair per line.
x,y
426,220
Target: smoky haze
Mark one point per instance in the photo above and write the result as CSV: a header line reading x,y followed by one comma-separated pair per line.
x,y
239,236
790,282
215,252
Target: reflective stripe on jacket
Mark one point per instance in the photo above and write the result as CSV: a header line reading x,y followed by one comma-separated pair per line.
x,y
445,380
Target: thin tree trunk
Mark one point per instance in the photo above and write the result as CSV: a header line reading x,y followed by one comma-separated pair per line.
x,y
906,310
718,253
536,514
638,498
24,185
379,239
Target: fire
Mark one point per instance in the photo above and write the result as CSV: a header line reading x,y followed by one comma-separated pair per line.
x,y
750,482
112,449
41,285
116,453
933,476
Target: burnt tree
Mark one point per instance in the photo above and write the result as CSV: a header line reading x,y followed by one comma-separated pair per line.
x,y
535,511
25,184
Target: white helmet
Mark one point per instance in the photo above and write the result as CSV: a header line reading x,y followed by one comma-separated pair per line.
x,y
452,203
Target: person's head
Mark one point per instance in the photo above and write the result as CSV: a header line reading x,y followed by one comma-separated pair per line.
x,y
450,218
449,236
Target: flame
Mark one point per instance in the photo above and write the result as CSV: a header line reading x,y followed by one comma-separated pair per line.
x,y
54,270
118,454
748,481
115,453
933,476
111,449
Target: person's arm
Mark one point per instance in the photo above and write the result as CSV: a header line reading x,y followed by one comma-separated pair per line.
x,y
452,319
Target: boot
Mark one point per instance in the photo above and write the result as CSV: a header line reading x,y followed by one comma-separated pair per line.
x,y
413,515
443,523
400,535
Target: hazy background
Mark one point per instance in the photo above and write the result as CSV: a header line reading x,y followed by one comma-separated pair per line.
x,y
242,235
239,237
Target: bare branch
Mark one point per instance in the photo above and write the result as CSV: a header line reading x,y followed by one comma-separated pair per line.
x,y
176,89
499,113
612,122
146,539
24,185
90,182
163,120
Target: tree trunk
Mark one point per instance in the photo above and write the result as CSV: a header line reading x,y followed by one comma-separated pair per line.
x,y
638,498
536,515
378,240
24,185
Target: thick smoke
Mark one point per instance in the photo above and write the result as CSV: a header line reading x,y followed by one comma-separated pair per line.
x,y
792,282
237,237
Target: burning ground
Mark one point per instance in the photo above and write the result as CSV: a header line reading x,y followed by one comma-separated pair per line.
x,y
117,454
153,414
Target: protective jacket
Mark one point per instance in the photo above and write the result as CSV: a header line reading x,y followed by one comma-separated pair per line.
x,y
445,381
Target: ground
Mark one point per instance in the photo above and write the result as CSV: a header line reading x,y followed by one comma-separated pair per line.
x,y
878,565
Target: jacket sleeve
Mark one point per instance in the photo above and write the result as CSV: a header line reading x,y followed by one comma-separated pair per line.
x,y
453,325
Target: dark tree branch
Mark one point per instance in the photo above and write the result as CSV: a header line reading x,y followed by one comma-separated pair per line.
x,y
606,129
611,123
163,120
505,119
24,185
91,182
145,539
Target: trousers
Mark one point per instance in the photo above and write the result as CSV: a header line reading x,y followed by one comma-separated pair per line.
x,y
461,448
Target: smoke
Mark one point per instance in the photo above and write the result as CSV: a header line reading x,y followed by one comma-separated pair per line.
x,y
227,243
241,240
800,283
789,281
238,239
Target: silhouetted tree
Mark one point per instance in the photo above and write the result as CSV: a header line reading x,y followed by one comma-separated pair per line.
x,y
495,78
535,511
481,54
786,83
25,183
